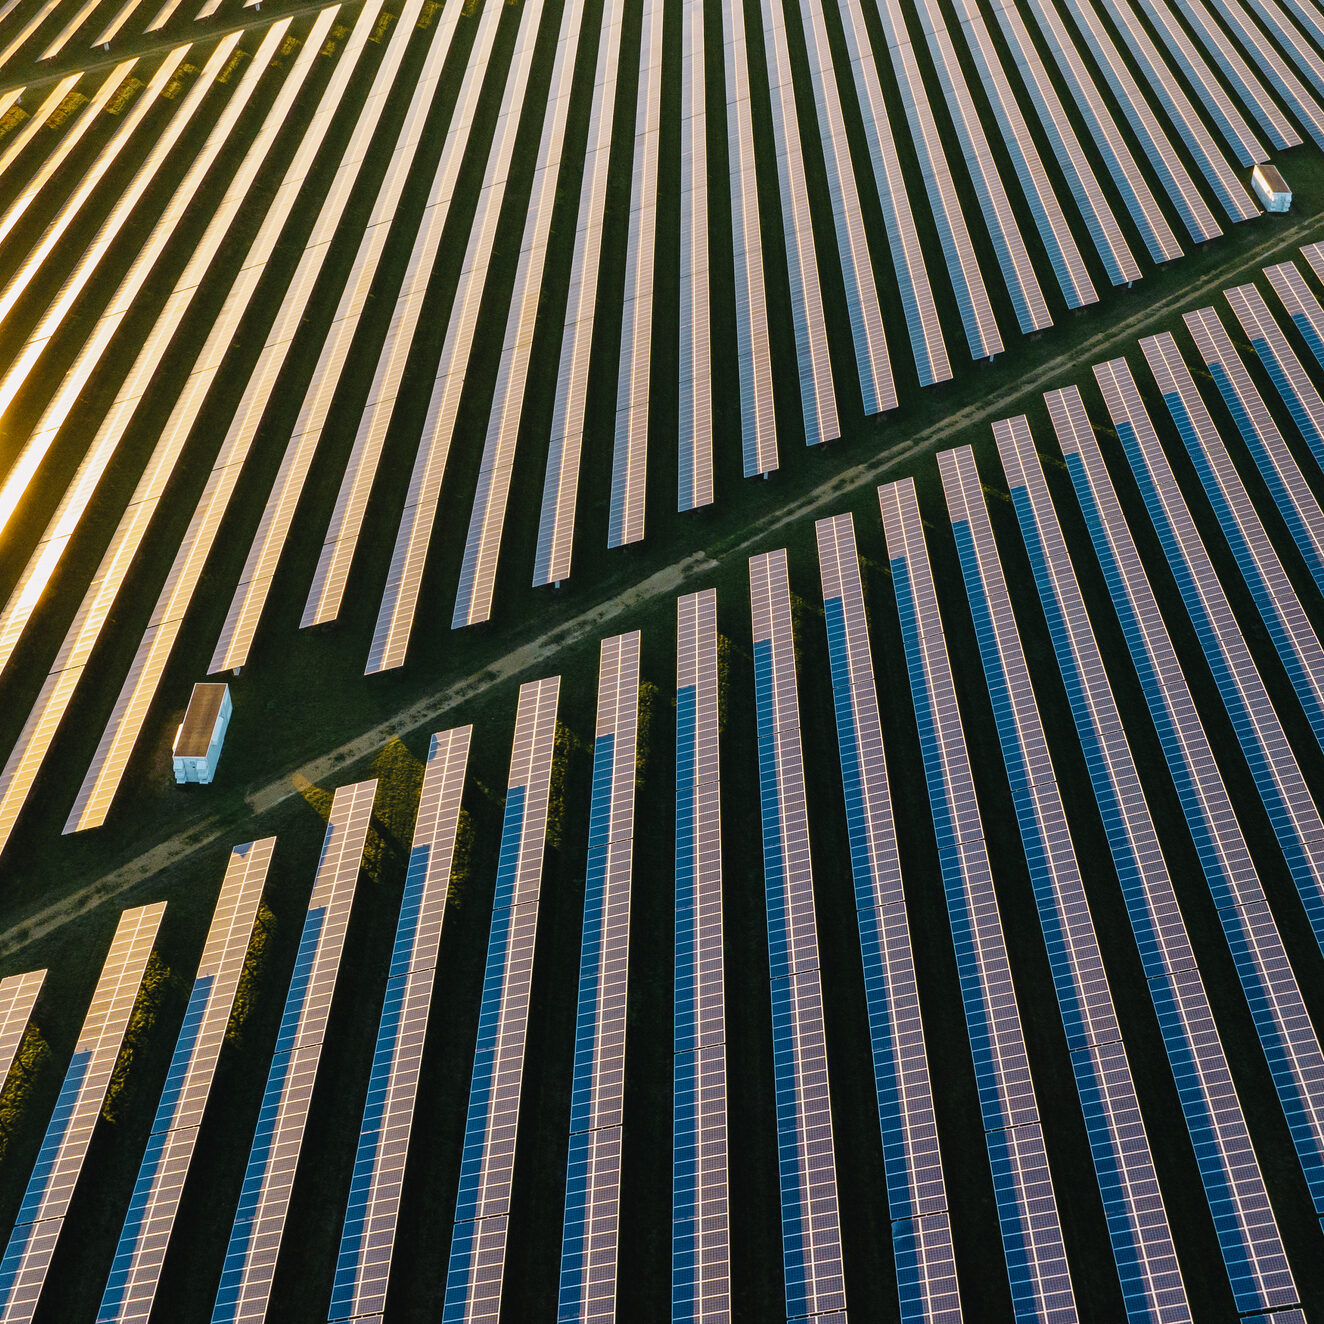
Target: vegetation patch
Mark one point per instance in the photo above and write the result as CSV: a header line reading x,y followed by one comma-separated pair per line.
x,y
157,982
249,988
29,1062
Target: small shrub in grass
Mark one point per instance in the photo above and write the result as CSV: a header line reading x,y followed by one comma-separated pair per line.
x,y
251,976
460,860
29,1062
157,982
650,700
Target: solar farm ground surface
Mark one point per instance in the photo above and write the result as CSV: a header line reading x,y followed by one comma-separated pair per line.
x,y
307,720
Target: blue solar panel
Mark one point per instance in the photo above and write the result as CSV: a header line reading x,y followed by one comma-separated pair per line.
x,y
1031,1232
1284,368
1138,1227
700,1273
811,1233
1276,600
925,1264
1296,821
1252,1251
1277,465
476,1266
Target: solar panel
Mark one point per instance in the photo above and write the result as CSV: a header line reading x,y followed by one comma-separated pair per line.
x,y
1277,465
264,1199
478,1242
811,1231
1027,1210
1253,41
878,392
1227,188
981,331
395,616
152,654
694,424
629,468
1271,590
47,713
1099,220
818,404
32,263
1238,135
1063,255
97,457
1239,75
1296,821
1290,379
700,1246
556,522
250,595
326,594
17,138
367,1240
473,599
1301,305
1195,215
135,1272
1017,272
922,325
597,1090
18,994
1227,1166
1291,39
1248,1235
1143,1249
15,43
59,1164
916,1190
1149,220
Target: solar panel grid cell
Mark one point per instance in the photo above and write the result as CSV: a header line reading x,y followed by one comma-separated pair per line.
x,y
1148,219
1285,370
269,540
922,325
700,1196
1239,75
817,395
1099,220
625,519
32,263
1253,41
1236,132
695,416
1221,179
1190,206
1275,598
1017,271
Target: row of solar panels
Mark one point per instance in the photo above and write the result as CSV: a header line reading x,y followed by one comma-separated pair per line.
x,y
1149,1273
380,47
45,30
